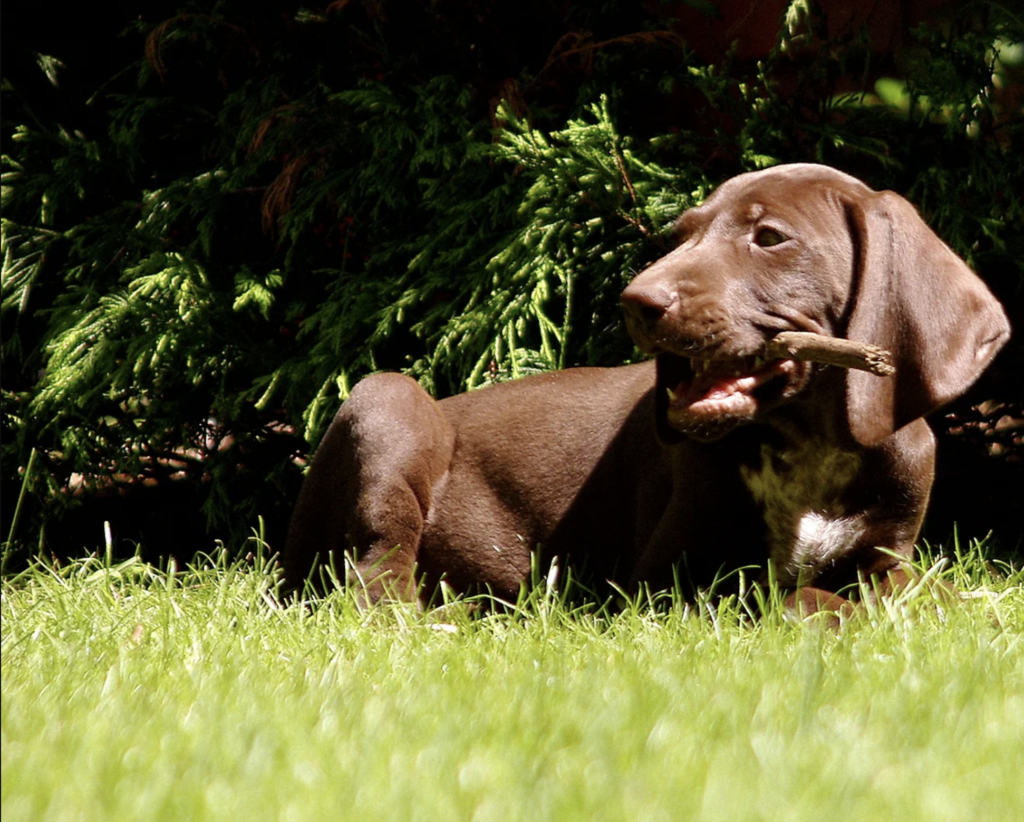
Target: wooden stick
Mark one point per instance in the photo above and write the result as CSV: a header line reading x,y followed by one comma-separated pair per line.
x,y
802,345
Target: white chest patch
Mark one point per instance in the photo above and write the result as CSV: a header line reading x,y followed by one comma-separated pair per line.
x,y
800,491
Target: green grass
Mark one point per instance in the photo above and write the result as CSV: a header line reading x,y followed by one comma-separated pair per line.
x,y
131,693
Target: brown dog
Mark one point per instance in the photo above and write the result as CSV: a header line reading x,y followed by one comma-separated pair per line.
x,y
708,459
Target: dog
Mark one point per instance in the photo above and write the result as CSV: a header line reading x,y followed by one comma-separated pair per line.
x,y
707,459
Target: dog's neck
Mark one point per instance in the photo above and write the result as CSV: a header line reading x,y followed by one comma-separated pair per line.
x,y
798,482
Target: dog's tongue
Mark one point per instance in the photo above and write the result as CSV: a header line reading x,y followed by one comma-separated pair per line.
x,y
718,388
715,388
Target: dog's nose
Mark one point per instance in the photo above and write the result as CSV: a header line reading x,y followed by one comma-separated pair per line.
x,y
646,303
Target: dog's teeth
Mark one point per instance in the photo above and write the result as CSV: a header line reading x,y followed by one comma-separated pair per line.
x,y
672,395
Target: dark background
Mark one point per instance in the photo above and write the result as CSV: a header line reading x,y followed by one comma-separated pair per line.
x,y
498,50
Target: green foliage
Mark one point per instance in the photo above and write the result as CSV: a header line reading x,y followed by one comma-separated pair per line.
x,y
265,209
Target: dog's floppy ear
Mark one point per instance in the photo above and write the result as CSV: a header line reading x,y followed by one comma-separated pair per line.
x,y
915,297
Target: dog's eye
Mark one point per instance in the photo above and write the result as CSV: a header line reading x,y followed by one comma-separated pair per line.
x,y
767,237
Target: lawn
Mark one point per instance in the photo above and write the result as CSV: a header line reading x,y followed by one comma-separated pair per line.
x,y
135,693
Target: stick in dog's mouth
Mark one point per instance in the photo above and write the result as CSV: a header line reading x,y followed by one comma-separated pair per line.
x,y
707,397
803,345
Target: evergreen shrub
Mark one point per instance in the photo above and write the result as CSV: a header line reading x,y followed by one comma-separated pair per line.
x,y
269,205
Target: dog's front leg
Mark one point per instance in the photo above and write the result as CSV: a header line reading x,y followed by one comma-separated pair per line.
x,y
809,600
709,529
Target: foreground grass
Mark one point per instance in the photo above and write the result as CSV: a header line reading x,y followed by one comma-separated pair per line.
x,y
130,693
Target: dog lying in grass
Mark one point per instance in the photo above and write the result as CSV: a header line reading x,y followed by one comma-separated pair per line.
x,y
801,331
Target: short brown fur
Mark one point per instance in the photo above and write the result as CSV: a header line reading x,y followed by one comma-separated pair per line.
x,y
610,470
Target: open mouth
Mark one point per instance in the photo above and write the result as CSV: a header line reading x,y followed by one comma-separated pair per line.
x,y
706,398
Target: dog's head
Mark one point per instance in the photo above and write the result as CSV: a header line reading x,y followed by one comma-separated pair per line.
x,y
808,248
